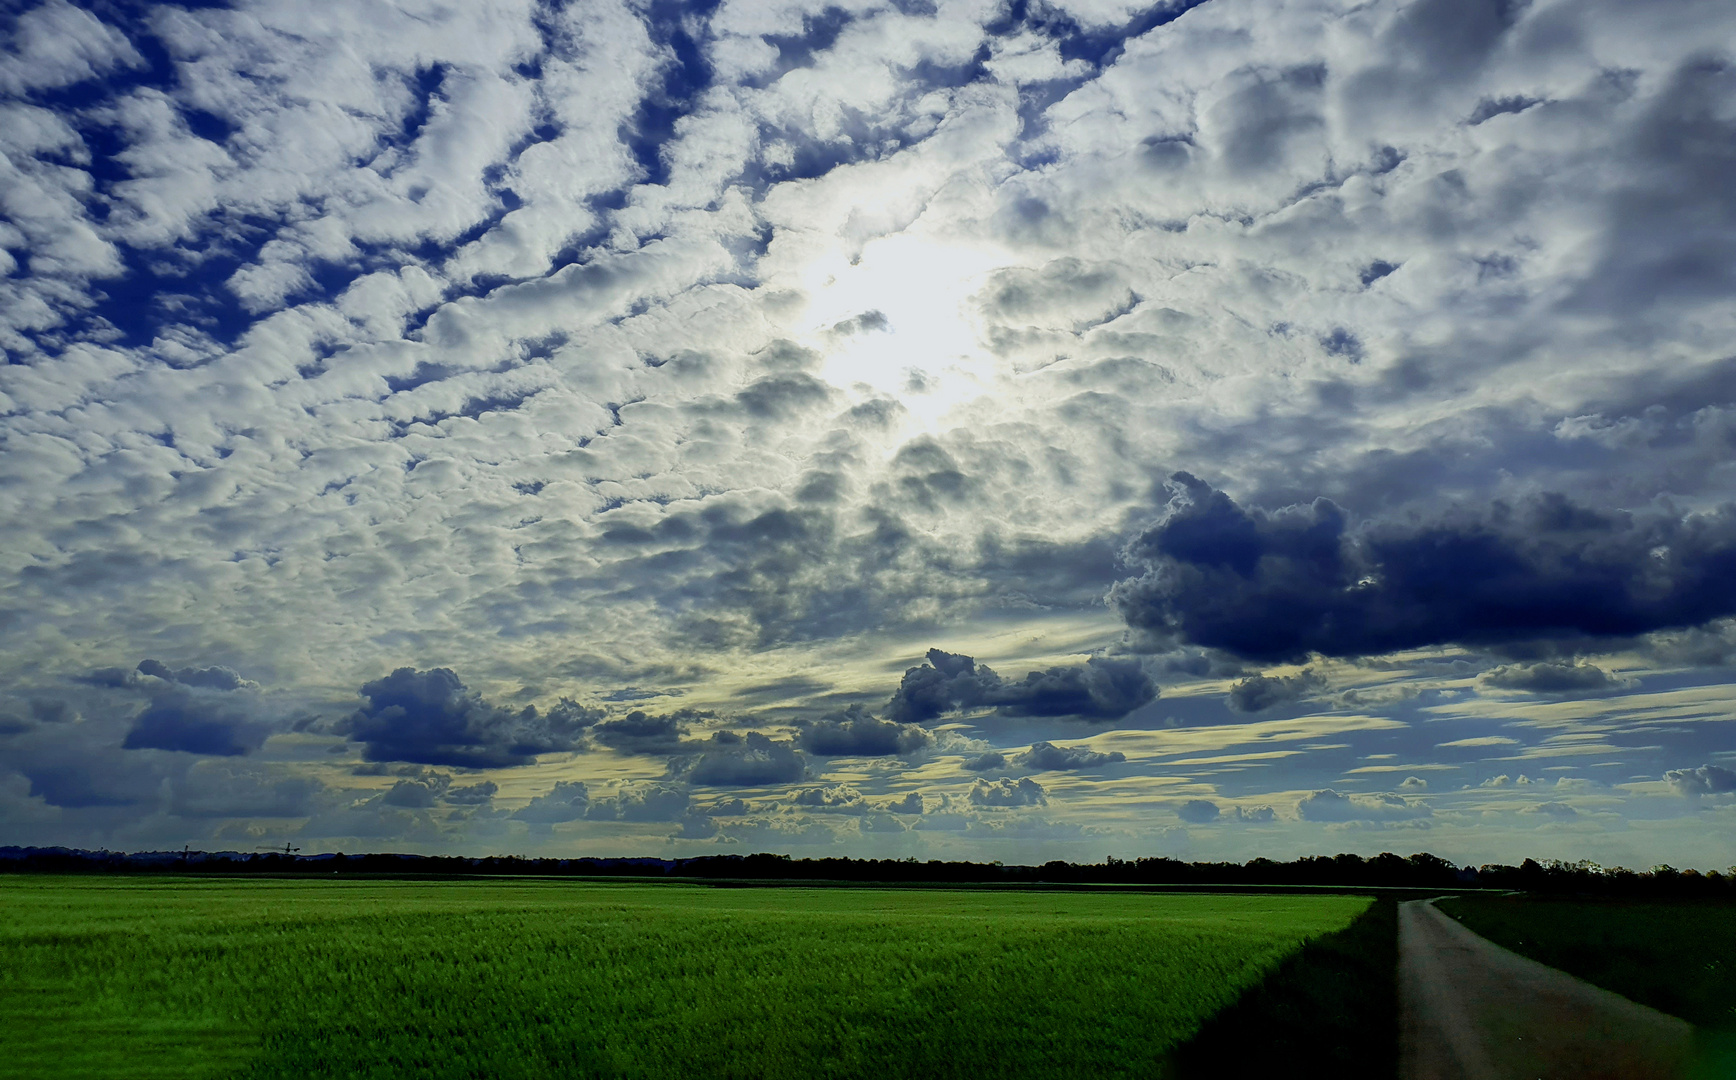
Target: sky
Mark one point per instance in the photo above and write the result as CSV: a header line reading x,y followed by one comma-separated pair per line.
x,y
988,429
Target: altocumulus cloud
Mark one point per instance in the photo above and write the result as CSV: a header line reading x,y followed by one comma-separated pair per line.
x,y
701,366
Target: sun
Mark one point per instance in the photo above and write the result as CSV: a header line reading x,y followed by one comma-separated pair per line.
x,y
898,321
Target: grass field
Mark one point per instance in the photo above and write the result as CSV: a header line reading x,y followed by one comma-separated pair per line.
x,y
530,978
1679,957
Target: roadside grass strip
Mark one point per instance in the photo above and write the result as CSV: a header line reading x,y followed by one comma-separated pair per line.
x,y
111,977
1678,957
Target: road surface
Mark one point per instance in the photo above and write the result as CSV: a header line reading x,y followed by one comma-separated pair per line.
x,y
1471,1010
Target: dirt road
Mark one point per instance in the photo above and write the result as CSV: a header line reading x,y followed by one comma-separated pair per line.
x,y
1471,1010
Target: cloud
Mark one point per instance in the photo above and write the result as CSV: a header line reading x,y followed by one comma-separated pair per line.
x,y
1260,692
184,723
1007,792
566,801
1705,780
209,711
230,789
856,733
983,762
839,798
211,678
1101,688
911,803
1046,756
478,794
1296,581
1198,811
732,760
57,44
1330,805
640,732
643,802
1547,677
1413,783
1553,808
431,718
417,794
1504,780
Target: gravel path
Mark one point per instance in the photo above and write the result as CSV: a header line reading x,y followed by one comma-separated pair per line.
x,y
1471,1010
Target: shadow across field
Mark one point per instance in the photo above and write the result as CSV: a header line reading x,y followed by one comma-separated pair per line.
x,y
1329,1010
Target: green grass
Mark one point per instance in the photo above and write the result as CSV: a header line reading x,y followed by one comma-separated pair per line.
x,y
528,978
1678,957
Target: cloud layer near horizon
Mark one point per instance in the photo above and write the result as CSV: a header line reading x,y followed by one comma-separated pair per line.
x,y
1036,428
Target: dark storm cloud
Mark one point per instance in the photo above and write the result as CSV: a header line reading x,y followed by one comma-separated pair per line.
x,y
947,682
471,794
417,794
1260,692
1705,780
431,718
193,710
732,760
1280,585
1547,677
193,725
1099,689
857,733
1048,757
640,732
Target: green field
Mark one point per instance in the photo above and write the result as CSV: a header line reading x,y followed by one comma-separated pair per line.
x,y
534,978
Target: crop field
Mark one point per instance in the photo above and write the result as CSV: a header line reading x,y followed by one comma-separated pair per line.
x,y
539,978
1678,957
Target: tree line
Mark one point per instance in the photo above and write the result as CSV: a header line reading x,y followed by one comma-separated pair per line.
x,y
1343,871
